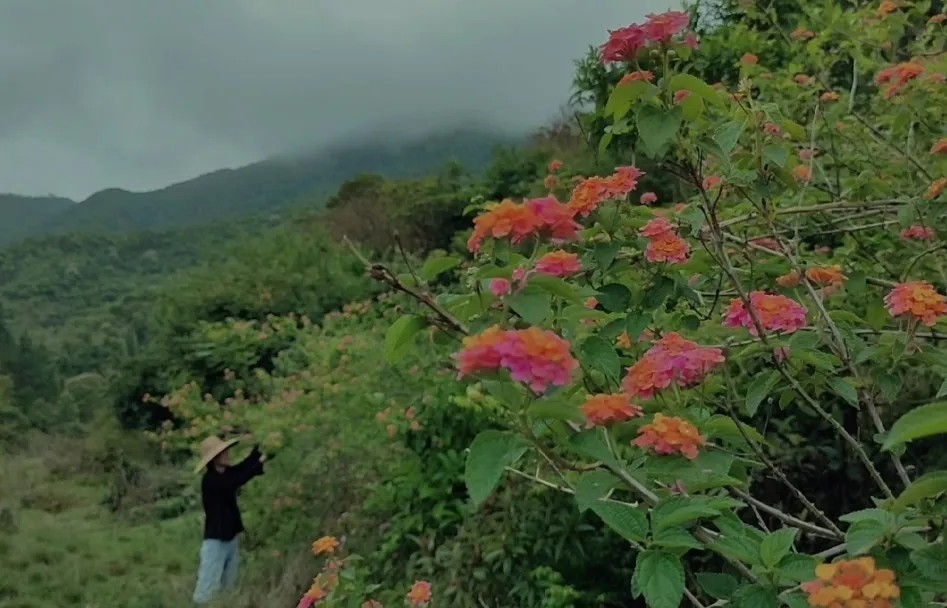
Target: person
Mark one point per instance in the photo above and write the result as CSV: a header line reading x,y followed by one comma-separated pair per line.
x,y
220,549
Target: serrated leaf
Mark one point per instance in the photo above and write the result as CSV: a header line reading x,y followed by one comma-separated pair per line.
x,y
922,488
592,486
755,596
695,85
717,585
657,128
592,444
776,546
624,96
635,324
557,287
843,388
932,561
888,384
434,267
657,292
679,510
797,568
863,535
532,304
660,576
727,135
554,408
599,354
759,389
400,336
604,254
490,453
675,538
614,297
628,521
726,428
923,421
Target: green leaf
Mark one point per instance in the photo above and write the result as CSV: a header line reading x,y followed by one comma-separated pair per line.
x,y
863,535
557,287
592,486
907,215
605,253
696,86
924,487
817,359
776,546
532,304
726,428
728,134
400,336
755,596
932,561
628,521
637,323
592,444
794,130
507,393
490,453
888,384
614,297
660,576
775,154
759,389
797,568
680,510
717,585
691,108
434,267
622,98
555,408
657,128
675,538
599,354
923,421
658,292
843,387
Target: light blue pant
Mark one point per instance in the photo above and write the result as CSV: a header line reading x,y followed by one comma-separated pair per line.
x,y
220,561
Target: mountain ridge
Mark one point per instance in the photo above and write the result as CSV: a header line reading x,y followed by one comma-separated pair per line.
x,y
271,184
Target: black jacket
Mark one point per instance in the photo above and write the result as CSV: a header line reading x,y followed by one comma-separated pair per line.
x,y
219,494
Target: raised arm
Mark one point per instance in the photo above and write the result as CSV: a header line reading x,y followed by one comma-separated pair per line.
x,y
243,471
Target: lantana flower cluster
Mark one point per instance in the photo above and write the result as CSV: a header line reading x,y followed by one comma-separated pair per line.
x,y
856,583
664,243
590,193
624,44
602,410
672,360
917,300
534,356
519,221
775,313
670,435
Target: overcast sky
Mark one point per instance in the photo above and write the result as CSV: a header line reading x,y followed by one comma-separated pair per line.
x,y
142,93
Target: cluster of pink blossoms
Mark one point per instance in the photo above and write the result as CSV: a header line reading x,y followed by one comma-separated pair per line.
x,y
533,356
664,243
556,263
520,221
917,232
672,360
624,44
776,313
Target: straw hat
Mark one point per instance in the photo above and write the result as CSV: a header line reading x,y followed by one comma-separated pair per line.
x,y
210,448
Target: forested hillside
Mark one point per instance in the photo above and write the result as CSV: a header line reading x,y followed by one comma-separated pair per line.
x,y
272,185
682,348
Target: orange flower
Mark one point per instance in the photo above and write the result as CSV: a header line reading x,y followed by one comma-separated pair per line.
x,y
825,276
918,300
802,34
802,173
789,280
623,341
937,19
372,604
898,76
936,188
592,192
802,79
670,435
551,182
554,166
501,220
940,146
749,59
856,583
559,264
601,410
829,96
420,594
326,544
711,182
886,7
636,76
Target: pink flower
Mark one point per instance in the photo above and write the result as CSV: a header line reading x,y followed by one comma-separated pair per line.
x,y
520,274
663,27
624,44
500,287
591,303
559,264
775,312
533,356
657,227
918,232
691,40
673,359
648,198
781,353
556,219
681,95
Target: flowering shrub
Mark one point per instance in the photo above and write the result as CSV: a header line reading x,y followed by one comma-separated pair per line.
x,y
640,371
